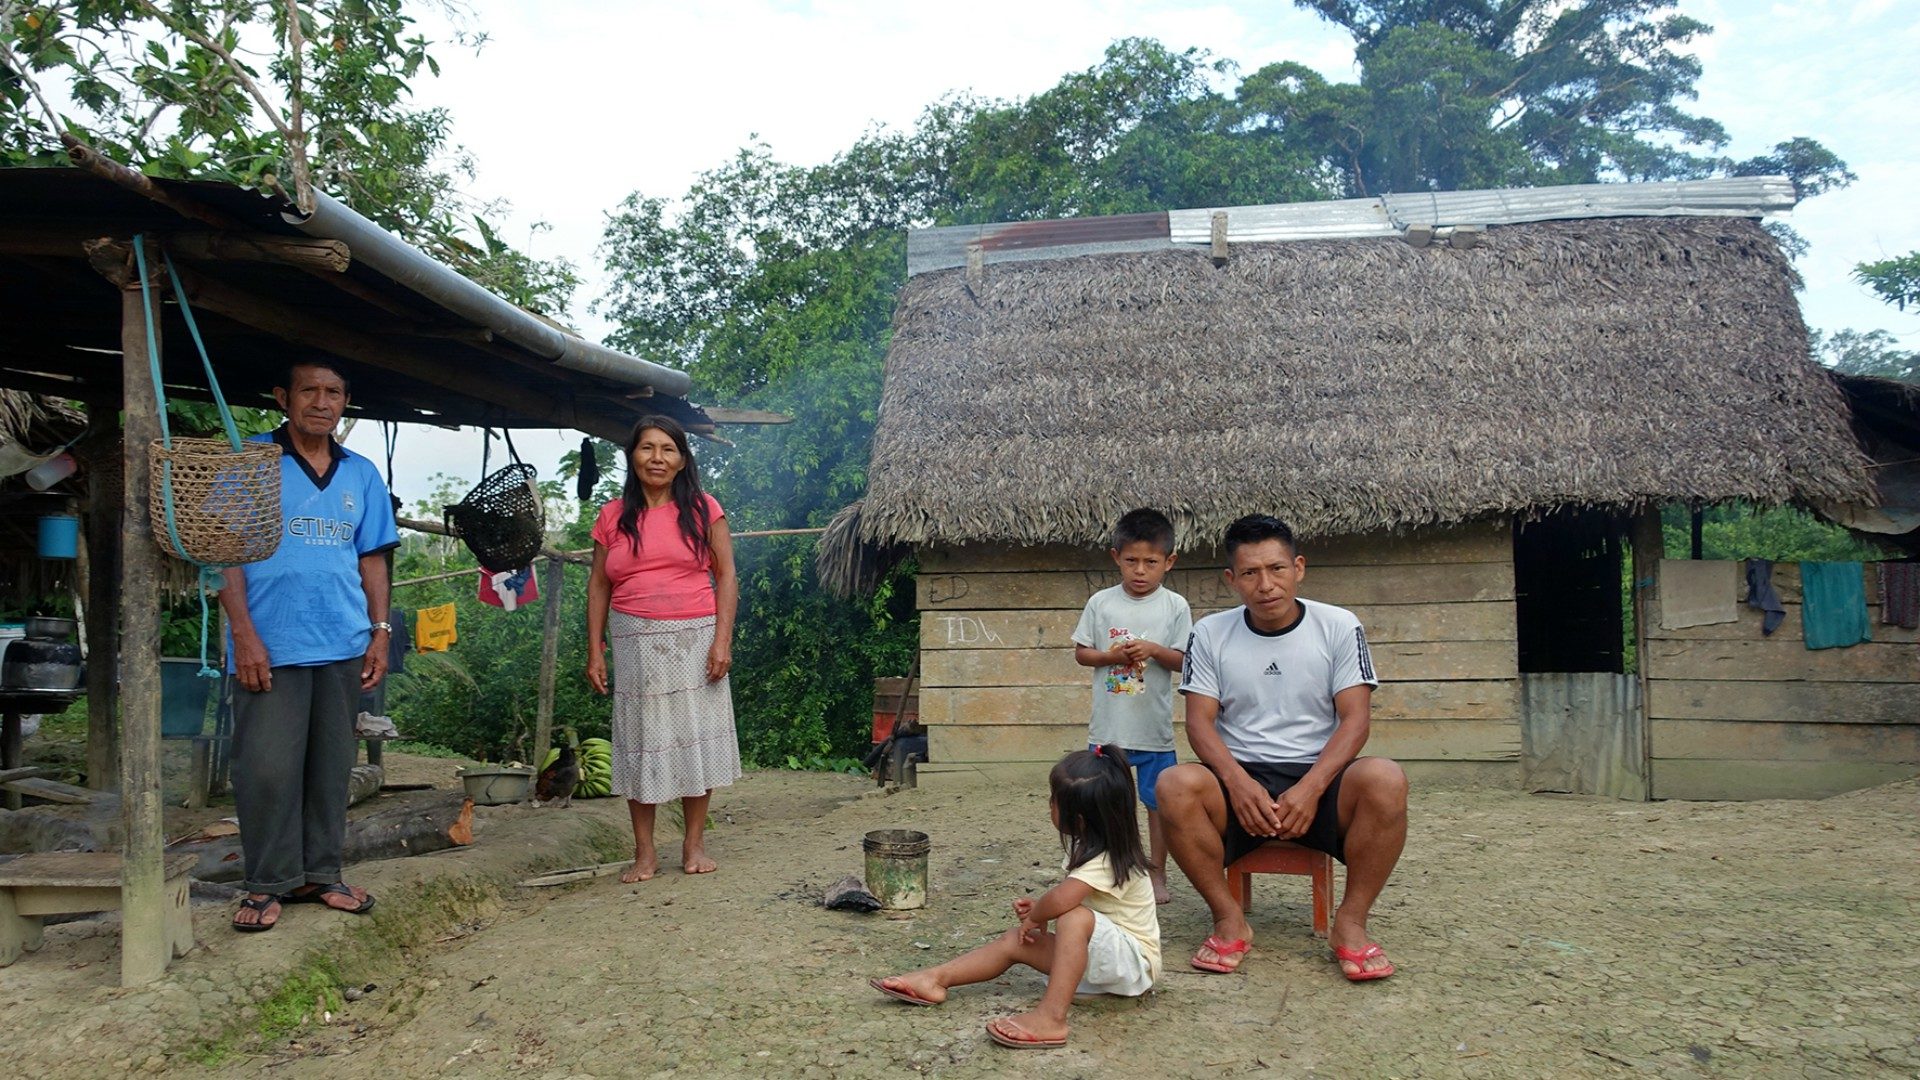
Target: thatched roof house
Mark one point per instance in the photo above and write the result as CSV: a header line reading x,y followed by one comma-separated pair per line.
x,y
1355,384
1403,379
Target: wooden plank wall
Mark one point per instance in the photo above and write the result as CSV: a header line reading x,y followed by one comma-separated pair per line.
x,y
1735,714
999,683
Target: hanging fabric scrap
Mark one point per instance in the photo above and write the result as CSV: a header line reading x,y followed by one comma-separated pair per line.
x,y
509,590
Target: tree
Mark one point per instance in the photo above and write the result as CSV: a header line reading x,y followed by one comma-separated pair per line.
x,y
1897,280
1873,352
1460,94
168,89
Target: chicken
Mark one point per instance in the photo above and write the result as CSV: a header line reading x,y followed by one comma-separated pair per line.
x,y
557,781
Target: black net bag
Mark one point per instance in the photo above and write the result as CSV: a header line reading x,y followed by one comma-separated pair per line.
x,y
502,521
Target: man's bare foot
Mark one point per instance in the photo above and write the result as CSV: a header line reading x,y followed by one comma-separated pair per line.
x,y
1031,1028
643,868
916,986
695,861
1160,893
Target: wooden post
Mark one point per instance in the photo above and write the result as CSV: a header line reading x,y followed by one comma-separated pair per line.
x,y
1699,539
549,662
1649,545
1219,238
144,945
100,449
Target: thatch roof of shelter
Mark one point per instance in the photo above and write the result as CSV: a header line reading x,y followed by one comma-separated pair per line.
x,y
1352,385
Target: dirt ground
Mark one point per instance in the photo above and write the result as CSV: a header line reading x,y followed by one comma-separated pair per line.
x,y
1535,936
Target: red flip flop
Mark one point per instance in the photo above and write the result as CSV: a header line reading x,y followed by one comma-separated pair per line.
x,y
907,996
1007,1033
1222,949
1359,958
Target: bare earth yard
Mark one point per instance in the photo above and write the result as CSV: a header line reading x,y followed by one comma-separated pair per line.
x,y
1535,936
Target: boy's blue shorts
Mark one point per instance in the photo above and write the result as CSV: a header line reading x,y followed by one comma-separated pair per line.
x,y
1147,767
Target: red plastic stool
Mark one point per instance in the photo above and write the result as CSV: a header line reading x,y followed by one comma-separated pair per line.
x,y
1286,857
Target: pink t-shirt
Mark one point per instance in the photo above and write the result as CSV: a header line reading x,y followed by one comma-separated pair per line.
x,y
662,580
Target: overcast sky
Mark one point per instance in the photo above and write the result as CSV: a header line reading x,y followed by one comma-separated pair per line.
x,y
574,104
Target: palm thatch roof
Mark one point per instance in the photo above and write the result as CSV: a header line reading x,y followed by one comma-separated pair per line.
x,y
1352,385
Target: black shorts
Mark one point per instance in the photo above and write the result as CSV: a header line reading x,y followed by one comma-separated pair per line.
x,y
1322,835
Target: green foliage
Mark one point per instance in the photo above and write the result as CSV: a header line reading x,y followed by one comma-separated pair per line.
x,y
481,698
1783,534
149,87
1896,280
1872,352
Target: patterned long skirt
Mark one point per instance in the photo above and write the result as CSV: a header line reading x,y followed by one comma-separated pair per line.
x,y
673,731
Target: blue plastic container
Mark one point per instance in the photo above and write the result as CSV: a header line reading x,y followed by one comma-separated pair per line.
x,y
183,697
59,536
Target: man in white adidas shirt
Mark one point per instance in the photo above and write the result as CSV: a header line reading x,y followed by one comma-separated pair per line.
x,y
1279,700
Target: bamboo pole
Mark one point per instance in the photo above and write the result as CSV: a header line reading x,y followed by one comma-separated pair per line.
x,y
1648,542
580,556
549,662
145,948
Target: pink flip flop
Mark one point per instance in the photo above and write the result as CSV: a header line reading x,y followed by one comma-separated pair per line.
x,y
907,996
1007,1033
1359,958
1222,949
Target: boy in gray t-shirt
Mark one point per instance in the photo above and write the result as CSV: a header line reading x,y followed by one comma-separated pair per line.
x,y
1129,634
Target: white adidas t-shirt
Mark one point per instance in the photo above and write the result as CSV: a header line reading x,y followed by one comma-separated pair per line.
x,y
1276,689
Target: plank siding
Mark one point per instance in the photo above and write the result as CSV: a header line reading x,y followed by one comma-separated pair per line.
x,y
999,682
1735,714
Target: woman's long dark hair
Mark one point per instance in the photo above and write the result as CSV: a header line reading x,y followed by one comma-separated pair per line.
x,y
1093,792
695,518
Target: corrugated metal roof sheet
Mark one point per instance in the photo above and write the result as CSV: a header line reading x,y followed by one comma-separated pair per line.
x,y
1744,196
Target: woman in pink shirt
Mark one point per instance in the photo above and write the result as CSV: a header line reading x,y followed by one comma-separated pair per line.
x,y
663,589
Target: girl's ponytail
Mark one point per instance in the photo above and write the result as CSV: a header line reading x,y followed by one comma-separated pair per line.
x,y
1093,791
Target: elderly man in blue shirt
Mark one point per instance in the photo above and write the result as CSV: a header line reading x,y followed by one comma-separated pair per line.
x,y
308,634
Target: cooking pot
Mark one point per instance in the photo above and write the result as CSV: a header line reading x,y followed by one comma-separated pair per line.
x,y
50,629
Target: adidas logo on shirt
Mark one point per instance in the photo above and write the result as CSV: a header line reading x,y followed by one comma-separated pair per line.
x,y
1273,668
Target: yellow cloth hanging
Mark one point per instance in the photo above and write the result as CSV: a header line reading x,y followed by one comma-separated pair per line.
x,y
436,633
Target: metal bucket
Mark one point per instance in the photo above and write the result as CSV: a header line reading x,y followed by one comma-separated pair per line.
x,y
897,867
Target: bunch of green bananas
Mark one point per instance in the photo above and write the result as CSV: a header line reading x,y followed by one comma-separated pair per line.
x,y
596,768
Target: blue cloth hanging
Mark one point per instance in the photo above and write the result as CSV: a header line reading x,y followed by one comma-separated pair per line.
x,y
1833,604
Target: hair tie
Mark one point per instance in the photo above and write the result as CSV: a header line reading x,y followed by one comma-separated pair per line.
x,y
1098,752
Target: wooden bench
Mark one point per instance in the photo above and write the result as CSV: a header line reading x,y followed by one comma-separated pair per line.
x,y
76,883
1286,857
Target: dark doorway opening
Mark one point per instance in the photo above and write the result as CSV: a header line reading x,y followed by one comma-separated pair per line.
x,y
1569,610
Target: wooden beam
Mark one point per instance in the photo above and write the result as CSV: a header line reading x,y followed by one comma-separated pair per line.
x,y
437,528
100,447
556,585
291,323
144,945
331,256
1647,544
90,159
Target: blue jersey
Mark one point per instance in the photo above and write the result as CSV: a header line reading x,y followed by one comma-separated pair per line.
x,y
306,599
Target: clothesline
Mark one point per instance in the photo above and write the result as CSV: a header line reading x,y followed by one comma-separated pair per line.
x,y
438,529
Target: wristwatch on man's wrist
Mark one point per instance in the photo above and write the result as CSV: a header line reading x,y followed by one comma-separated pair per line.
x,y
387,626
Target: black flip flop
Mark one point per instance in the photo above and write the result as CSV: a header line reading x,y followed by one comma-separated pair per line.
x,y
338,888
259,906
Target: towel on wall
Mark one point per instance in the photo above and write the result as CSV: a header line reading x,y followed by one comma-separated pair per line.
x,y
1833,604
436,632
1697,592
1899,594
1761,594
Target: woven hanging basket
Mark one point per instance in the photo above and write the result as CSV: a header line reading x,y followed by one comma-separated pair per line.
x,y
226,503
502,521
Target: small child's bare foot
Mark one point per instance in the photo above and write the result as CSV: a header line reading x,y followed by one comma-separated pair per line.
x,y
694,861
643,868
915,987
1160,893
